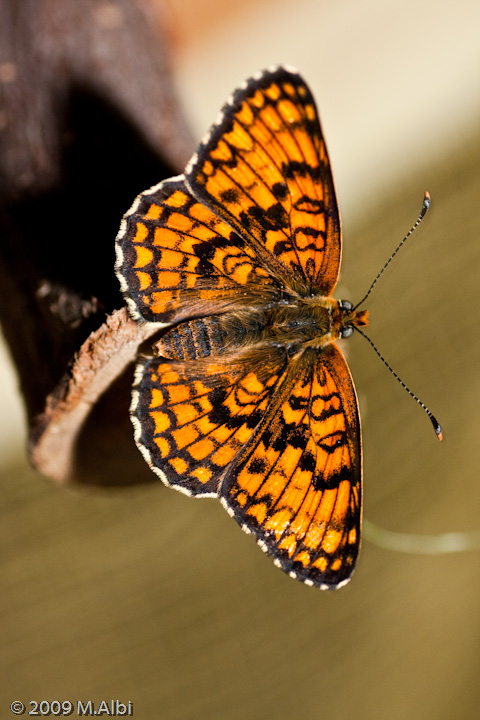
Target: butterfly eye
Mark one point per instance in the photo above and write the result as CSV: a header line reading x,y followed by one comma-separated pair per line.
x,y
346,331
345,305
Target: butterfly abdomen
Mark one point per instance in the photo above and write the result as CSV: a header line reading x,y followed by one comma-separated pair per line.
x,y
192,340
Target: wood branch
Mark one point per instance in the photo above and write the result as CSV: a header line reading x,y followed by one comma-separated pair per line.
x,y
88,118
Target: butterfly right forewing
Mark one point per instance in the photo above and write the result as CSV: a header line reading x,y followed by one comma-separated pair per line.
x,y
297,482
264,169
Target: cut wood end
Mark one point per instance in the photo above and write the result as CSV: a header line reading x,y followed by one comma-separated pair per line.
x,y
101,360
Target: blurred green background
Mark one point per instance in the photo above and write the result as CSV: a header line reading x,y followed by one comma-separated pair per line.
x,y
147,596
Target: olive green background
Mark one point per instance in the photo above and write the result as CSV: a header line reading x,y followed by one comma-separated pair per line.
x,y
147,596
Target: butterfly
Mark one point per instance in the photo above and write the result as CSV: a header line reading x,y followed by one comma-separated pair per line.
x,y
245,395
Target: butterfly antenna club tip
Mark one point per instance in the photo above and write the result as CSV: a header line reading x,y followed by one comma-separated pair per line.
x,y
426,204
436,426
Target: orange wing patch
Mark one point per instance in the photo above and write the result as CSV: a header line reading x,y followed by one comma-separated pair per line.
x,y
264,169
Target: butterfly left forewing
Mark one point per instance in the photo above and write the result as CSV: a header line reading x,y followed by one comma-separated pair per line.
x,y
264,169
297,483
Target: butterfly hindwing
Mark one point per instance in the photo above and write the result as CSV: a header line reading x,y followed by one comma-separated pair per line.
x,y
191,418
264,169
175,258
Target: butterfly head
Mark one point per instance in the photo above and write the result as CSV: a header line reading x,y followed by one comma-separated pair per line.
x,y
349,318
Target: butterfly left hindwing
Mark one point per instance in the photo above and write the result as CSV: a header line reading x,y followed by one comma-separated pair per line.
x,y
246,396
176,259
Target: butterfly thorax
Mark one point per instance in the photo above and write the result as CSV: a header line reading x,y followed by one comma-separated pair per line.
x,y
315,321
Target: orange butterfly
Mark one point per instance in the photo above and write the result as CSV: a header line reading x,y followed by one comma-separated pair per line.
x,y
247,397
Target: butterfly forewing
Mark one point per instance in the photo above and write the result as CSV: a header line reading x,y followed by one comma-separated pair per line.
x,y
264,169
297,482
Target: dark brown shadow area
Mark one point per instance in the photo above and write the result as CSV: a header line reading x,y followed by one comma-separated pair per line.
x,y
88,120
105,451
58,245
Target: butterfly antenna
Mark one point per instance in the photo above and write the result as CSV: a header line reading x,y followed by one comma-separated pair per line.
x,y
433,419
423,211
